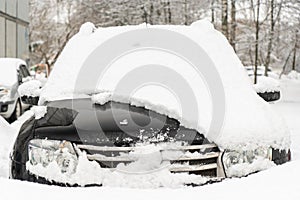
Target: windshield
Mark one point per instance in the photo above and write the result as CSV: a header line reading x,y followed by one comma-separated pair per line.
x,y
8,74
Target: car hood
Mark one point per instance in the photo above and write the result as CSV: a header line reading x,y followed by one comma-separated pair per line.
x,y
112,124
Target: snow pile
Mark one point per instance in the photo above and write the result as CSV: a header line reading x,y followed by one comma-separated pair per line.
x,y
30,88
7,134
150,170
26,79
266,84
293,75
248,120
276,184
41,77
39,111
240,170
87,28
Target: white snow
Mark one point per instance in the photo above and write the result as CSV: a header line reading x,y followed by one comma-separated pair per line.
x,y
87,28
39,111
41,77
30,88
243,169
276,183
8,68
7,134
293,75
149,169
289,108
133,175
266,84
248,119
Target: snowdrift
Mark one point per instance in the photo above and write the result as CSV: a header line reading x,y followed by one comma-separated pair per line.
x,y
7,134
249,121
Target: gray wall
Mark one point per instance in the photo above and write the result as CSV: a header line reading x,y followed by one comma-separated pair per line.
x,y
14,28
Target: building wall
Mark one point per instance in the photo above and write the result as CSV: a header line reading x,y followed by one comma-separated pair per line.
x,y
14,28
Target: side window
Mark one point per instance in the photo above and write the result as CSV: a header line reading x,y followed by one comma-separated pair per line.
x,y
24,71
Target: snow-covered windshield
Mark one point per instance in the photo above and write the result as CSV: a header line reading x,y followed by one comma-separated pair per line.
x,y
248,118
8,73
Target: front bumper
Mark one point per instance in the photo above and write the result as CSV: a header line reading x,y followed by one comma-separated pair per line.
x,y
19,171
27,176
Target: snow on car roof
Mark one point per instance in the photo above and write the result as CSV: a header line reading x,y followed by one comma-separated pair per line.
x,y
8,69
248,119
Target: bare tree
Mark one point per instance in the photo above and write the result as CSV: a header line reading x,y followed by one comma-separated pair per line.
x,y
233,24
271,35
212,7
225,17
186,12
256,40
260,31
295,51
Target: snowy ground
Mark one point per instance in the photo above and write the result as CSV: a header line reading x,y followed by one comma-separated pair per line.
x,y
289,107
280,182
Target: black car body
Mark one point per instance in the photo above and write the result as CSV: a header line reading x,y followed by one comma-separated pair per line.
x,y
63,122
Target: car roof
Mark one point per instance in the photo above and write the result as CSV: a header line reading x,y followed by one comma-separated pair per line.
x,y
9,62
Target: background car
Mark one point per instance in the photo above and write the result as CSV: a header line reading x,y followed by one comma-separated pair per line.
x,y
13,72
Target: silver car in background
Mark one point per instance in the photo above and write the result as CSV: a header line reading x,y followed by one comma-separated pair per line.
x,y
13,72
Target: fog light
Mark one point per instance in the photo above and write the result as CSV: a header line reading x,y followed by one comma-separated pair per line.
x,y
4,108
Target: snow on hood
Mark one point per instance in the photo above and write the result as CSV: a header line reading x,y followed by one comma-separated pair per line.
x,y
248,119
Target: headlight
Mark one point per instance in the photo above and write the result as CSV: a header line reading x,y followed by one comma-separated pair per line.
x,y
232,158
5,95
46,151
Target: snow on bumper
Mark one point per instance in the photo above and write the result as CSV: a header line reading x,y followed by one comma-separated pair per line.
x,y
142,166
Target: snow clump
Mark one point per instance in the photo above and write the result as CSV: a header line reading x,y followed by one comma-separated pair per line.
x,y
30,89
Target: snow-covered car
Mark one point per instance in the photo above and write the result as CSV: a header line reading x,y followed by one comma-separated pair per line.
x,y
82,136
13,73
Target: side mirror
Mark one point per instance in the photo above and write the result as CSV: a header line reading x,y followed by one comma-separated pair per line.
x,y
30,92
268,89
270,96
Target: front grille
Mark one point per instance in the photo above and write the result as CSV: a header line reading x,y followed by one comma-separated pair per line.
x,y
193,159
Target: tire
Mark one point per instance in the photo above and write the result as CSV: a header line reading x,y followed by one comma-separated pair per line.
x,y
17,112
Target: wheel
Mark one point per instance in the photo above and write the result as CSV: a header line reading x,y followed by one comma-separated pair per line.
x,y
17,112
